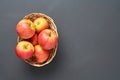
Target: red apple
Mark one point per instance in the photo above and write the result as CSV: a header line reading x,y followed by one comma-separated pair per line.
x,y
48,39
41,54
41,24
25,29
34,39
24,50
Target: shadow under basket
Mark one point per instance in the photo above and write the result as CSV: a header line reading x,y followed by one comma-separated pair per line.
x,y
53,51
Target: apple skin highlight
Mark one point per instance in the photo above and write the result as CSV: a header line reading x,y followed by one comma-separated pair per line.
x,y
25,29
41,24
48,39
41,54
24,50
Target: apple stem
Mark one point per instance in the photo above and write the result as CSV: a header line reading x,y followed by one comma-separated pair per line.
x,y
38,23
26,46
30,25
49,34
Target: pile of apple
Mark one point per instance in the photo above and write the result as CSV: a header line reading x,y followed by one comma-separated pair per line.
x,y
37,39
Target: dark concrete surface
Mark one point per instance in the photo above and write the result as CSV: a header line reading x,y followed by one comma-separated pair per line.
x,y
89,40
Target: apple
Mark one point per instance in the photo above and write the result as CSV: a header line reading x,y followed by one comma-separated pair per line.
x,y
34,39
40,24
25,29
41,54
48,39
24,50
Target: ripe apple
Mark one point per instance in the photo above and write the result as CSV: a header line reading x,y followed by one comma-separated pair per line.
x,y
48,39
25,29
24,50
34,39
41,24
41,54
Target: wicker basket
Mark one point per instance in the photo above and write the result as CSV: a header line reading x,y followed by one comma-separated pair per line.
x,y
32,17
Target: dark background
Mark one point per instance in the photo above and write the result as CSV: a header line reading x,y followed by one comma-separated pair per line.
x,y
89,40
